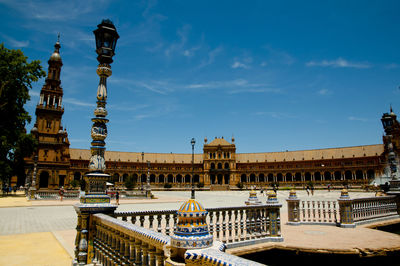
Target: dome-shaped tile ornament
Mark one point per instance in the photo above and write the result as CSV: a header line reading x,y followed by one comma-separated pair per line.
x,y
253,200
191,231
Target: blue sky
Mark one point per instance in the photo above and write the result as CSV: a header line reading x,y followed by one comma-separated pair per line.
x,y
278,75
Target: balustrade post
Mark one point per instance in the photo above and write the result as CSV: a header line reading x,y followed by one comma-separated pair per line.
x,y
152,256
132,254
274,216
160,257
145,253
138,252
293,203
346,210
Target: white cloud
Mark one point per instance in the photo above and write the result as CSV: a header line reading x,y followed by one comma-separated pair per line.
x,y
274,114
211,56
15,43
238,64
58,10
361,119
324,92
78,102
263,64
392,66
340,62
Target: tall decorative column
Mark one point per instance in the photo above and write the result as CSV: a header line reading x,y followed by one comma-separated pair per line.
x,y
96,200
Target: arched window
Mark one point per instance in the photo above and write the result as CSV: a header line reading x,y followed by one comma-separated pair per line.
x,y
270,177
179,179
170,178
327,176
219,177
161,178
279,177
347,175
359,174
212,179
261,178
124,177
187,179
196,179
243,178
288,177
226,166
219,165
252,178
143,178
307,176
297,176
152,178
338,175
115,178
212,166
317,176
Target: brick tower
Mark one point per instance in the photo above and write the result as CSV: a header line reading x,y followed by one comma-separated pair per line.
x,y
53,146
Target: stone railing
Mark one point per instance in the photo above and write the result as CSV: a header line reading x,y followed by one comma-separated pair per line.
x,y
116,242
120,243
373,207
316,212
345,212
233,226
54,195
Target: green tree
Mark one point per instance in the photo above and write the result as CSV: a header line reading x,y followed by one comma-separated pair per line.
x,y
16,78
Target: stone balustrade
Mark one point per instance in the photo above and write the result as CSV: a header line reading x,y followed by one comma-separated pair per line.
x,y
117,242
373,207
231,225
54,195
344,212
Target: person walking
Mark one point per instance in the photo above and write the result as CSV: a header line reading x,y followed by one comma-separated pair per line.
x,y
117,197
308,190
312,190
61,193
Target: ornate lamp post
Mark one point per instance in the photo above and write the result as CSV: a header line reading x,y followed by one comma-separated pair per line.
x,y
148,190
193,141
142,171
96,199
106,40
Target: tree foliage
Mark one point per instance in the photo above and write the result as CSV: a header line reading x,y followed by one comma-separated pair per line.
x,y
16,78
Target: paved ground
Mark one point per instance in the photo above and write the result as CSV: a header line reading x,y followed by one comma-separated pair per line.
x,y
53,223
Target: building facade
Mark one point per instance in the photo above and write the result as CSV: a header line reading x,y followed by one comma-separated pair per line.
x,y
219,166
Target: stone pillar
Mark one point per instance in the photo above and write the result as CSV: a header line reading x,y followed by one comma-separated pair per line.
x,y
293,203
274,216
346,210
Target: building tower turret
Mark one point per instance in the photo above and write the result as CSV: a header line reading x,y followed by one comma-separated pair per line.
x,y
53,145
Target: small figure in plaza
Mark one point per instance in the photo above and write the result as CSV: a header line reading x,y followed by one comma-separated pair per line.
x,y
117,197
329,187
274,188
308,190
262,190
61,193
312,190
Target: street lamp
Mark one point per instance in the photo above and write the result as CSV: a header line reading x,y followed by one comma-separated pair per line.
x,y
148,180
193,141
106,39
142,171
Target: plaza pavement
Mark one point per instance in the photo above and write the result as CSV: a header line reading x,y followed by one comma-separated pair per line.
x,y
43,232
